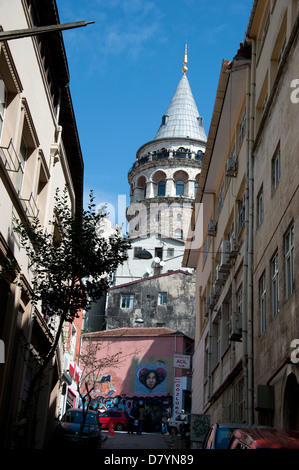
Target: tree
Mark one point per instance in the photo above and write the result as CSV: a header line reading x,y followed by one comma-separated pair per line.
x,y
92,366
70,250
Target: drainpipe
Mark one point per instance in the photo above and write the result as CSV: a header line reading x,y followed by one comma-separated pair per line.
x,y
249,304
210,388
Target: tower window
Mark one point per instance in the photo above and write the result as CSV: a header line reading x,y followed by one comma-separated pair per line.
x,y
161,188
164,119
180,188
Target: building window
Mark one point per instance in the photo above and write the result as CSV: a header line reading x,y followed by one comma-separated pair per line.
x,y
137,250
216,344
22,161
161,188
170,252
241,213
242,128
289,262
180,188
127,300
274,285
262,302
276,169
178,234
240,306
162,298
239,401
260,207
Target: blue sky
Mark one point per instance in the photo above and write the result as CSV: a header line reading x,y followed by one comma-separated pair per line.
x,y
124,70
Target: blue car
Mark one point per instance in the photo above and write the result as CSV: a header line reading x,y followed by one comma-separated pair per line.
x,y
70,429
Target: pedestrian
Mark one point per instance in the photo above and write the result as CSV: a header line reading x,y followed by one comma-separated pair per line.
x,y
165,417
141,414
133,414
148,419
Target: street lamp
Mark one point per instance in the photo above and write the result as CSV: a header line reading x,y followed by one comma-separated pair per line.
x,y
23,33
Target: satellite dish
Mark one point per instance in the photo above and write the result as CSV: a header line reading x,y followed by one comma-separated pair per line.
x,y
148,270
162,263
157,260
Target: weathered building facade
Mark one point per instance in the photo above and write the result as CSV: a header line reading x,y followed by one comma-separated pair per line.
x,y
161,300
245,364
39,152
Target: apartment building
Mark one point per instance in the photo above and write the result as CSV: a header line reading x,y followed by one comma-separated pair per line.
x,y
39,152
243,231
274,32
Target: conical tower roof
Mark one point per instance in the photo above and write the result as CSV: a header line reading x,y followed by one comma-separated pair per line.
x,y
182,118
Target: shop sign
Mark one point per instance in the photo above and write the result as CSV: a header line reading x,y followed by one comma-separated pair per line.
x,y
181,361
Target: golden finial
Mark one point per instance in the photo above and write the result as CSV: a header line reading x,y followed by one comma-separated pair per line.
x,y
185,68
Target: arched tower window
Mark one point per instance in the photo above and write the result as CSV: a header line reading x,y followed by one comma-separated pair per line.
x,y
180,185
161,188
159,180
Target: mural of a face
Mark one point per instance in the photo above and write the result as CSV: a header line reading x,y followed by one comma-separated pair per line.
x,y
151,378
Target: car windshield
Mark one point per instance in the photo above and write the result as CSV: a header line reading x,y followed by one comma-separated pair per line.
x,y
77,418
223,438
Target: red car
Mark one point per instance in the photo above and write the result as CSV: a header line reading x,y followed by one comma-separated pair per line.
x,y
117,418
264,438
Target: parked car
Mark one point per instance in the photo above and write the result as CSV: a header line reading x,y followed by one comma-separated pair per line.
x,y
117,418
175,422
219,434
70,429
267,438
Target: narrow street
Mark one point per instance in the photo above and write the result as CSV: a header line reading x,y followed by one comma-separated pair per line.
x,y
123,440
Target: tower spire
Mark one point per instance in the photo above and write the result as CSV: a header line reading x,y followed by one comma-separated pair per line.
x,y
185,68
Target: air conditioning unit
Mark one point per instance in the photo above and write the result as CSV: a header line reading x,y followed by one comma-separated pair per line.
x,y
212,228
236,329
234,246
224,264
219,277
231,167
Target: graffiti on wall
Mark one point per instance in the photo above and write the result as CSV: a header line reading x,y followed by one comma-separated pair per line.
x,y
151,379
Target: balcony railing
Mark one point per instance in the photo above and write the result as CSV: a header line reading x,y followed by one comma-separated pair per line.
x,y
30,206
165,154
13,165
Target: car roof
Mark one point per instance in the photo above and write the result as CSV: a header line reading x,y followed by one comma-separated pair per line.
x,y
268,437
80,410
231,425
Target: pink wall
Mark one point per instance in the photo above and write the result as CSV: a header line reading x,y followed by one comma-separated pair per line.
x,y
141,357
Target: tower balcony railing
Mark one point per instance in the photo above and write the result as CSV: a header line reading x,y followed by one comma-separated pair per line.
x,y
167,154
